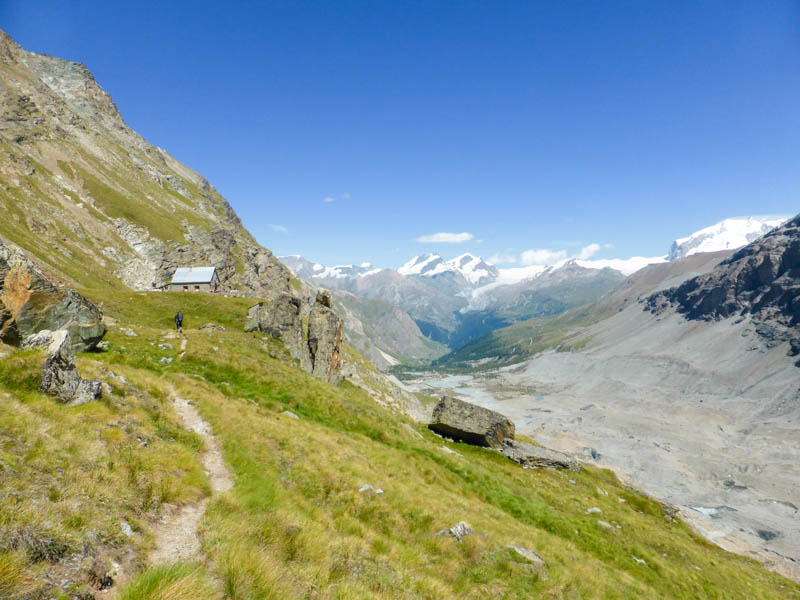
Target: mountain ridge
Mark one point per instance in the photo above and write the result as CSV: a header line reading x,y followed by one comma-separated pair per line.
x,y
80,184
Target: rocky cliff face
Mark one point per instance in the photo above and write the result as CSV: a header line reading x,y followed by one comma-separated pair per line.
x,y
761,280
97,203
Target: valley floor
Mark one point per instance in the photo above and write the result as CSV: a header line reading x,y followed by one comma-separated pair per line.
x,y
690,432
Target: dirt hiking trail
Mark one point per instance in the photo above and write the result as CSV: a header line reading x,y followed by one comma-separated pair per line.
x,y
176,531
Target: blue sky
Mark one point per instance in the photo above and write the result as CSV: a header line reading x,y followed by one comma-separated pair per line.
x,y
346,131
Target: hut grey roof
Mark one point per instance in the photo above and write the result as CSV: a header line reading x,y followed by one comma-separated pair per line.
x,y
194,275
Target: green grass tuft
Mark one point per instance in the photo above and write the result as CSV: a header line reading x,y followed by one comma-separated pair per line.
x,y
171,582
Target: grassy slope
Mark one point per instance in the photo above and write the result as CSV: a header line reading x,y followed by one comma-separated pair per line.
x,y
295,525
70,477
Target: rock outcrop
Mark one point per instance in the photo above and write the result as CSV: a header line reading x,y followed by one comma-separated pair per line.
x,y
325,339
761,280
30,302
60,376
281,318
472,424
532,456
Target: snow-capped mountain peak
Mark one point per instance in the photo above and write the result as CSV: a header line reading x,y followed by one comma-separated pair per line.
x,y
307,269
423,264
472,268
725,235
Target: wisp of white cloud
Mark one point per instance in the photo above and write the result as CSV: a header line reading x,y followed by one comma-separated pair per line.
x,y
592,249
501,258
542,257
278,228
329,199
445,238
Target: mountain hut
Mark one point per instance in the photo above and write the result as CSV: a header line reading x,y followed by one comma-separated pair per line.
x,y
195,279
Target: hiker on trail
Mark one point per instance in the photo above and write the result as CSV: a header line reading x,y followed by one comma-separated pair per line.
x,y
179,322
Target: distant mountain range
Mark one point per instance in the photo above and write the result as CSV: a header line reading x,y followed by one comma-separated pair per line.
x,y
456,301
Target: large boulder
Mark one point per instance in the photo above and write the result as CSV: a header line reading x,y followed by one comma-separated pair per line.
x,y
30,302
529,455
280,318
60,376
321,353
325,339
472,424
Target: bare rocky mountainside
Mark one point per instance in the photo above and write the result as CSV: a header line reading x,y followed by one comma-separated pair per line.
x,y
762,280
98,204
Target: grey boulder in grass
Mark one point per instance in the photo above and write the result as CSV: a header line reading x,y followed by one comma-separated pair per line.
x,y
472,424
60,377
